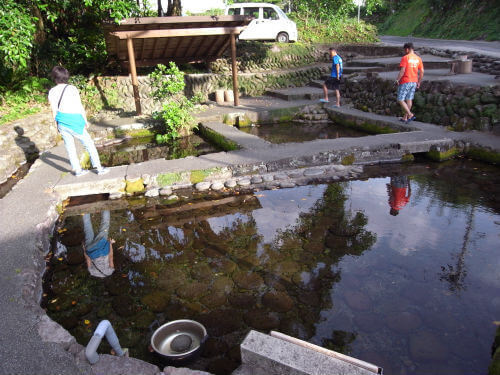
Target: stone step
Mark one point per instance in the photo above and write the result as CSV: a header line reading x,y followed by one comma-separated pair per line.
x,y
297,93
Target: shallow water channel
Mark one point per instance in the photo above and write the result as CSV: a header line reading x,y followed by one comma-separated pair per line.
x,y
137,150
287,132
415,292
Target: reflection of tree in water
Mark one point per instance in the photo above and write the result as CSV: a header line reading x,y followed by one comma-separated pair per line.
x,y
455,275
458,188
173,265
340,341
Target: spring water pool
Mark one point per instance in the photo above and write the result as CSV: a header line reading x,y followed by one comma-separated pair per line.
x,y
415,292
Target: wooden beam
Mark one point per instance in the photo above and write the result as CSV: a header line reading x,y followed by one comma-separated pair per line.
x,y
221,50
235,71
171,33
209,41
153,49
133,72
182,19
165,60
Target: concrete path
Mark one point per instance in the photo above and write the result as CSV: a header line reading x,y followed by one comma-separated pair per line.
x,y
480,47
29,342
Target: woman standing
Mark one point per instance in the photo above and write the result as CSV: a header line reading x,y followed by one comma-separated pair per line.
x,y
71,121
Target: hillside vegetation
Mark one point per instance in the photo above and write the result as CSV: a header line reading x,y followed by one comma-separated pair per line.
x,y
459,19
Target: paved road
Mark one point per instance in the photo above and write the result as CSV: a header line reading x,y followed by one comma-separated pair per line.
x,y
481,47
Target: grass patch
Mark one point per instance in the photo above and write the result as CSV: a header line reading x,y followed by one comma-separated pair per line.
x,y
476,19
344,30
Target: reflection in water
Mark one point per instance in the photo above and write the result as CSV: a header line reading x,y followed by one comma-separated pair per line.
x,y
296,260
455,275
399,191
98,250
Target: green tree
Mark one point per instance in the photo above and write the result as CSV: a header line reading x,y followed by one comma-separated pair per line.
x,y
36,34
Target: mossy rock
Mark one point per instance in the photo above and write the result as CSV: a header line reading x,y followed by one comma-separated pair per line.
x,y
144,319
442,155
484,155
156,301
248,280
407,158
348,160
134,186
192,291
278,301
124,306
261,319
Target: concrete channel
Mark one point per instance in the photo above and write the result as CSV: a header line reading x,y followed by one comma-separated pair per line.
x,y
30,342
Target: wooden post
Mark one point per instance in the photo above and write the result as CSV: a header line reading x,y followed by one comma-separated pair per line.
x,y
133,72
235,70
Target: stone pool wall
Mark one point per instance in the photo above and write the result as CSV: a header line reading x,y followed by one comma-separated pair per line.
x,y
440,102
119,89
23,140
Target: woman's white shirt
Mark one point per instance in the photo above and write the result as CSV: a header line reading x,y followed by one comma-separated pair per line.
x,y
70,103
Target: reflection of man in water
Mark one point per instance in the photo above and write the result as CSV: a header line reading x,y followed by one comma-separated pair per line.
x,y
399,191
97,249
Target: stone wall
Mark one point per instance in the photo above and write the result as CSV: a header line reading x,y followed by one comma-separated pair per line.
x,y
119,89
23,140
440,102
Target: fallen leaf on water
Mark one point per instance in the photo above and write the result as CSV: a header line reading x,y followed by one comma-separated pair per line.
x,y
124,230
73,302
124,275
54,300
303,199
60,259
62,230
86,321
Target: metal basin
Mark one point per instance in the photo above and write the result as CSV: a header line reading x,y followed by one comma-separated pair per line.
x,y
162,338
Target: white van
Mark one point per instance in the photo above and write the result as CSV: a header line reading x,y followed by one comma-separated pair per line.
x,y
269,23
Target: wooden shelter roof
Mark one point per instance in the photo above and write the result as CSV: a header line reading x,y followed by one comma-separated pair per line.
x,y
180,39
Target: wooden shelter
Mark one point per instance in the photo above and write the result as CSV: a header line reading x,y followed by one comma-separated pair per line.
x,y
150,41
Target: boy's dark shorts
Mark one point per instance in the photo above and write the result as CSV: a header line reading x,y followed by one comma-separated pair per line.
x,y
332,83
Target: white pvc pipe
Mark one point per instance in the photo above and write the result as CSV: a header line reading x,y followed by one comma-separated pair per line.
x,y
104,328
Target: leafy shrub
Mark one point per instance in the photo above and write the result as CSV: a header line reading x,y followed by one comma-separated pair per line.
x,y
29,96
344,30
168,85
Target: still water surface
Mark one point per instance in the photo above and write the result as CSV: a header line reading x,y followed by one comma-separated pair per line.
x,y
416,291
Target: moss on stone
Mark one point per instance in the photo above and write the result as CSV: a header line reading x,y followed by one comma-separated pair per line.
x,y
407,158
85,160
134,186
442,155
135,133
366,127
168,179
199,175
348,160
484,155
217,139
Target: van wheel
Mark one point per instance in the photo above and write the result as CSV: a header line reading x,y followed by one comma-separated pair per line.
x,y
282,38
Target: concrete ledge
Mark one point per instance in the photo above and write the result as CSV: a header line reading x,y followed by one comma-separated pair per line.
x,y
268,355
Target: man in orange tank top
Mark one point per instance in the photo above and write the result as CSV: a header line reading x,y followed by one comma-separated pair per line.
x,y
409,78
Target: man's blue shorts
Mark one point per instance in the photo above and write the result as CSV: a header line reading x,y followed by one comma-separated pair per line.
x,y
406,91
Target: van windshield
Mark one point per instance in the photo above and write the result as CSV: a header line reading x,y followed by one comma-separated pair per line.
x,y
281,13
